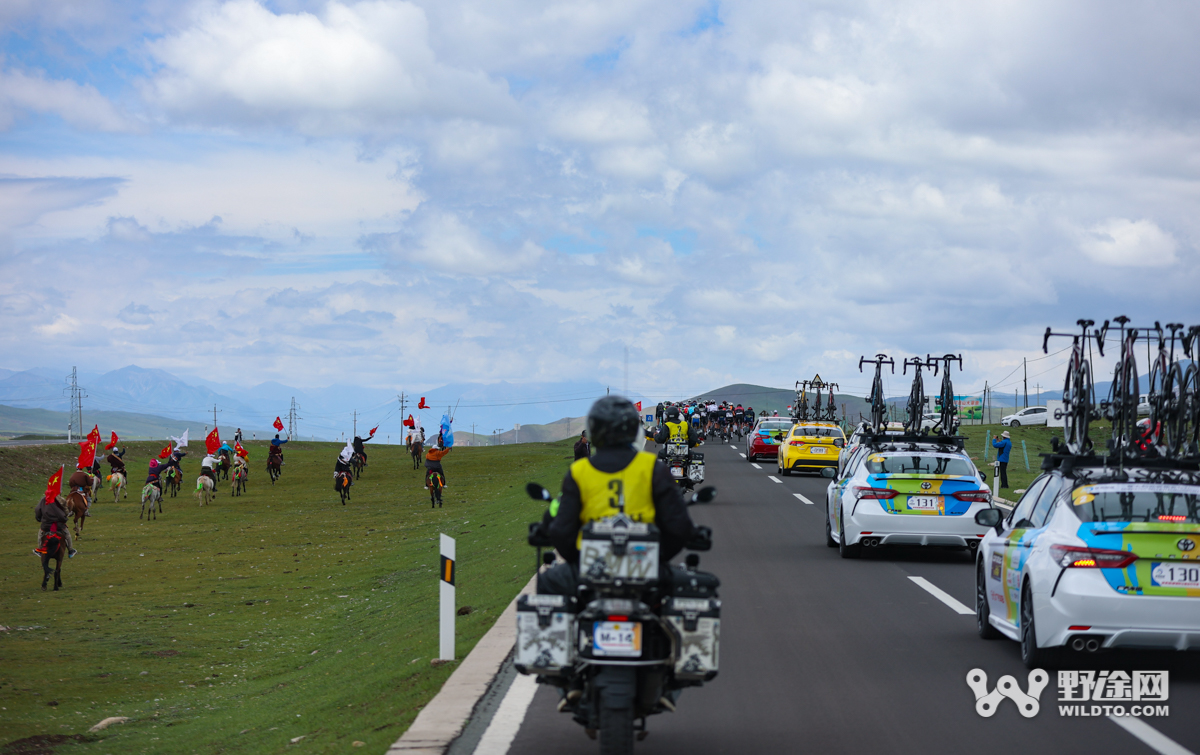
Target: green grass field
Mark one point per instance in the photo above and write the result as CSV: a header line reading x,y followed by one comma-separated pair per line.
x,y
239,626
1037,442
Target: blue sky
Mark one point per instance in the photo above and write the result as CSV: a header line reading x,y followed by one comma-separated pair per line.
x,y
399,192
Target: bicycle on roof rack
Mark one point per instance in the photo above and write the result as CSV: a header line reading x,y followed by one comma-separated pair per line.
x,y
915,409
1079,393
1190,435
1122,404
876,399
800,410
947,423
1167,395
829,412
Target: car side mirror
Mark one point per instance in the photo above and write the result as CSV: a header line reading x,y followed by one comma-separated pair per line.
x,y
989,518
983,476
839,443
828,472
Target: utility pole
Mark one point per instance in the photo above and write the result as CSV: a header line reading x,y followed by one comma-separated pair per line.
x,y
1038,386
356,422
516,433
987,410
626,372
215,416
292,417
402,417
1025,364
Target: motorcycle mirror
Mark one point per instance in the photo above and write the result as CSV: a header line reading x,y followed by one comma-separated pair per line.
x,y
988,517
692,561
537,492
706,494
827,472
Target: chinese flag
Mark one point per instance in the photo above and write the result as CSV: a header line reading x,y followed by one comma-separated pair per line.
x,y
237,449
409,422
278,424
94,435
165,452
372,433
113,443
421,405
639,407
212,442
87,454
54,486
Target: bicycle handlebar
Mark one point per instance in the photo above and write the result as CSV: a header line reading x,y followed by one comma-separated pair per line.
x,y
878,361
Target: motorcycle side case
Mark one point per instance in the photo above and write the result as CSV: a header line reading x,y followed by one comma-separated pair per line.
x,y
545,634
697,621
695,470
693,584
619,552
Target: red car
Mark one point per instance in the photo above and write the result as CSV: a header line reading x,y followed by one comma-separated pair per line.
x,y
766,436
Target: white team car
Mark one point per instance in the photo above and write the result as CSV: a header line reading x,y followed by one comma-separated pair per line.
x,y
897,491
1093,558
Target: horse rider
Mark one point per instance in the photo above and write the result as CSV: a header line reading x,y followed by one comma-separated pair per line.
x,y
275,452
277,442
50,512
359,449
237,436
155,469
433,463
207,464
81,482
116,463
342,465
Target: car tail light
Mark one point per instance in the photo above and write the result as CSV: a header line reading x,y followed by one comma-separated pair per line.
x,y
618,618
876,493
795,443
1078,628
1079,557
976,496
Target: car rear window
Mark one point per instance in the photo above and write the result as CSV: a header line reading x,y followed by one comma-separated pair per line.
x,y
919,463
1137,502
774,427
816,431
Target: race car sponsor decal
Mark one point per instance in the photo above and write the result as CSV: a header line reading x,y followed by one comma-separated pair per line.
x,y
997,566
1162,566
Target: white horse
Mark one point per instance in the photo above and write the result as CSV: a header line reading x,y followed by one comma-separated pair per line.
x,y
116,481
97,484
205,489
151,495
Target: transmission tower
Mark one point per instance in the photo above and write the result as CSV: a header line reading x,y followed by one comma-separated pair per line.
x,y
77,396
293,418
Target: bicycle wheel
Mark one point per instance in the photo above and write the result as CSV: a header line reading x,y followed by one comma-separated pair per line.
x,y
1077,407
916,404
1190,433
947,421
1171,408
1123,401
877,407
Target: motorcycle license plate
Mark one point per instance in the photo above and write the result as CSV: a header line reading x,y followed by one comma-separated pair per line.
x,y
816,449
1174,575
620,638
925,502
677,471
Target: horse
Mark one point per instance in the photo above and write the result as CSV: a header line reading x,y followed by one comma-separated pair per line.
x,y
206,490
153,495
222,468
53,549
357,463
117,482
240,473
417,449
96,484
274,467
341,483
76,504
434,480
172,480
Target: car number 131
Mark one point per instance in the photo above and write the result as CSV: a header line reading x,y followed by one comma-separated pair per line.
x,y
925,502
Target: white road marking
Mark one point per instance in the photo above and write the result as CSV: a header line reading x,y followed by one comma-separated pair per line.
x,y
755,465
733,446
1153,738
507,722
938,593
773,478
742,455
810,503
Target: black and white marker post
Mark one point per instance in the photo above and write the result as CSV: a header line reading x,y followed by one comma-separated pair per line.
x,y
446,646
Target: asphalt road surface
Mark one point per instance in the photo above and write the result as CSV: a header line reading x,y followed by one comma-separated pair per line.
x,y
825,655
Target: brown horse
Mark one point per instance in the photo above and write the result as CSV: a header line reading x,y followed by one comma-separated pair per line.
x,y
416,447
55,549
76,503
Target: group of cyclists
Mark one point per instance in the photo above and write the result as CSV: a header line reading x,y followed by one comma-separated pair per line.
x,y
711,418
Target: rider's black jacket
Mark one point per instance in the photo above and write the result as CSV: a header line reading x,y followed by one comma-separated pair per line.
x,y
341,466
670,512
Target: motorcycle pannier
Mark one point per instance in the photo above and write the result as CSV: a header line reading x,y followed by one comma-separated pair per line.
x,y
695,470
617,549
677,448
698,623
545,634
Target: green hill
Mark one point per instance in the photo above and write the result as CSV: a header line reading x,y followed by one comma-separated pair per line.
x,y
15,421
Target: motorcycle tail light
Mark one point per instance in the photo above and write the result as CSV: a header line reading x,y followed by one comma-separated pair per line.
x,y
1079,557
975,496
618,618
876,493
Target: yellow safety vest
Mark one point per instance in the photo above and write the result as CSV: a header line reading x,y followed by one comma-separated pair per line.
x,y
600,493
679,432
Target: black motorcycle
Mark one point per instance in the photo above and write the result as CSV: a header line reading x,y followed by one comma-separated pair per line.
x,y
622,636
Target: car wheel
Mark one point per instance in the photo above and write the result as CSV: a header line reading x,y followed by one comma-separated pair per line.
x,y
1014,423
829,541
845,550
1032,655
750,458
982,609
785,472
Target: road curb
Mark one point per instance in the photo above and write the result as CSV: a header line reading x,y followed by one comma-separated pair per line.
x,y
443,719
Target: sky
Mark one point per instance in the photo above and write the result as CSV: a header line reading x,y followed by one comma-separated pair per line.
x,y
406,194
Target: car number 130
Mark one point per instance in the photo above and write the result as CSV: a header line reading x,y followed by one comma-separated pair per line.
x,y
1175,575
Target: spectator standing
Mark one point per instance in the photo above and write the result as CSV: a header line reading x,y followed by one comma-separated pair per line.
x,y
1003,444
583,449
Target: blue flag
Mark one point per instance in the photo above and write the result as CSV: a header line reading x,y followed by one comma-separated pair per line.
x,y
447,433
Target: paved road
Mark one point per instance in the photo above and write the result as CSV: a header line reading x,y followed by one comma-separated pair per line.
x,y
34,442
825,655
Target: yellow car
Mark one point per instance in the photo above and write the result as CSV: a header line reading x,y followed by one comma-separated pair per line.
x,y
810,447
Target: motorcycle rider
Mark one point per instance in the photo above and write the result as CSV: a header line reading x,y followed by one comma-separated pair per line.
x,y
675,430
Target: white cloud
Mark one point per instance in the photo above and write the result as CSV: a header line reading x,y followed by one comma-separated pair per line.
x,y
1129,243
78,104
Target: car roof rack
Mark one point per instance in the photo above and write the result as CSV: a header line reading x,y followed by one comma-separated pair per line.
x,y
913,442
1111,468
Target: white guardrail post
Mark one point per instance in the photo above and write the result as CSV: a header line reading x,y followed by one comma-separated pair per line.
x,y
446,578
995,488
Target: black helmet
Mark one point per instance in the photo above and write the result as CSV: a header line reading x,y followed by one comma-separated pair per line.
x,y
673,414
612,421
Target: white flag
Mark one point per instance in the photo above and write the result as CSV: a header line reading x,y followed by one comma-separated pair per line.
x,y
181,441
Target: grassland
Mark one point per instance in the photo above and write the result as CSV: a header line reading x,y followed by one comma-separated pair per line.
x,y
1037,442
240,626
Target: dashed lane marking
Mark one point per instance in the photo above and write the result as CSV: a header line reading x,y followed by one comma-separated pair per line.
x,y
773,478
755,465
943,596
1153,738
810,503
742,455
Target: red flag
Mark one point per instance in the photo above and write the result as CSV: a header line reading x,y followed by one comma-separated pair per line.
x,y
165,452
95,434
237,449
409,422
372,433
421,405
639,407
278,424
54,486
113,443
87,454
212,442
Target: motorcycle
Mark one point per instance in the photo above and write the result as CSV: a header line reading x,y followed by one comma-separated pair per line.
x,y
628,638
685,466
